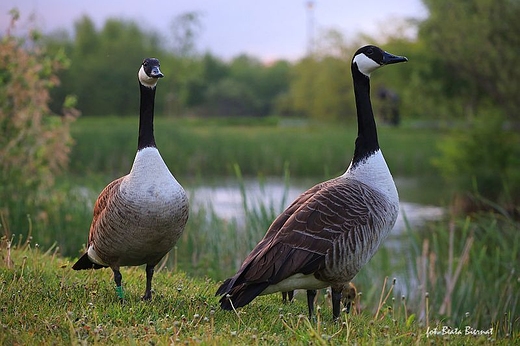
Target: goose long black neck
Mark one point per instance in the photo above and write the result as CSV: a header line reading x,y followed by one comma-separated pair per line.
x,y
366,141
146,136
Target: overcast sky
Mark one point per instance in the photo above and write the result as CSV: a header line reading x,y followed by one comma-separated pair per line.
x,y
268,29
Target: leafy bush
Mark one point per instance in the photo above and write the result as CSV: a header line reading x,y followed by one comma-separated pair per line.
x,y
34,142
482,160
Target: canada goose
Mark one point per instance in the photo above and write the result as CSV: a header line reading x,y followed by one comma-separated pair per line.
x,y
331,230
348,296
139,217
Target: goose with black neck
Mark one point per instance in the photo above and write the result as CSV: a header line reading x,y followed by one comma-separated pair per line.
x,y
139,217
333,229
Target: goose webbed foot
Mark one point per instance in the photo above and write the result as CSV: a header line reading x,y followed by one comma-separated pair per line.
x,y
287,297
147,296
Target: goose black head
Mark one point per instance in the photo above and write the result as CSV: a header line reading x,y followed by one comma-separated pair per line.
x,y
370,58
150,72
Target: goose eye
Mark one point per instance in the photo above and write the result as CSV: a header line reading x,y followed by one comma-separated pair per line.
x,y
370,51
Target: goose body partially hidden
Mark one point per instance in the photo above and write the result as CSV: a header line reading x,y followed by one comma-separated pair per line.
x,y
333,229
348,296
139,217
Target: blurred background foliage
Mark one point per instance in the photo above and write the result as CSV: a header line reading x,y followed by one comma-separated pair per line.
x,y
34,141
462,60
461,77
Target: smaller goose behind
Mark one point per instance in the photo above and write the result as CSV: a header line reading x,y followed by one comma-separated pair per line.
x,y
139,217
348,296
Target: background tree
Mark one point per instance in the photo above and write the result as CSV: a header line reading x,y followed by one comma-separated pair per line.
x,y
243,87
321,84
475,45
201,74
186,29
104,63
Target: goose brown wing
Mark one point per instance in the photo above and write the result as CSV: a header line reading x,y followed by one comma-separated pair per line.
x,y
305,233
273,230
101,205
280,221
301,244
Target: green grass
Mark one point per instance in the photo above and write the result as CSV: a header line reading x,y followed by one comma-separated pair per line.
x,y
43,301
195,148
465,267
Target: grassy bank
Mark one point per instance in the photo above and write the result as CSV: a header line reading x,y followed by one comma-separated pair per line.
x,y
44,302
460,271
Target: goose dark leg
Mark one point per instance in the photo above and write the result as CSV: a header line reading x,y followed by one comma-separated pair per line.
x,y
311,294
285,295
149,276
336,300
118,278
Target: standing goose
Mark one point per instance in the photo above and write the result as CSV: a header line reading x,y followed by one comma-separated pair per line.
x,y
138,218
330,231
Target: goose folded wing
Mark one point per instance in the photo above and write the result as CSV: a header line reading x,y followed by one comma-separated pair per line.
x,y
308,234
280,221
266,242
101,205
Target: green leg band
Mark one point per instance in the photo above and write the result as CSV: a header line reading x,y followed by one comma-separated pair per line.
x,y
119,291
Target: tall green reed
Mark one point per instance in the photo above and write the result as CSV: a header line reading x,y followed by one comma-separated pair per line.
x,y
215,247
469,269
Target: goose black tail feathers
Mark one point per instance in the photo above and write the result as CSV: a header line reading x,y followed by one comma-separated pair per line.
x,y
85,263
240,295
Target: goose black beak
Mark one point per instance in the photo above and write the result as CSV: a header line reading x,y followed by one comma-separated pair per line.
x,y
392,59
156,72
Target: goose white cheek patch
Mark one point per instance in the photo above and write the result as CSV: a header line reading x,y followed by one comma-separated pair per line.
x,y
365,64
145,79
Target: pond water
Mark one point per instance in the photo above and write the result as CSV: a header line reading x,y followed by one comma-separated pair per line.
x,y
226,200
